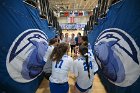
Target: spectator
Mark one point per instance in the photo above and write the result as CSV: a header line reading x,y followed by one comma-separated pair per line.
x,y
72,43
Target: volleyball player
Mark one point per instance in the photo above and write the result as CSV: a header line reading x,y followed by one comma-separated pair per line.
x,y
61,65
47,69
84,71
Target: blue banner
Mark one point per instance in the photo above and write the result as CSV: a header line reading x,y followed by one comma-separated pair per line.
x,y
23,39
117,47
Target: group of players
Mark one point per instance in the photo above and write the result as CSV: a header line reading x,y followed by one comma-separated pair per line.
x,y
59,64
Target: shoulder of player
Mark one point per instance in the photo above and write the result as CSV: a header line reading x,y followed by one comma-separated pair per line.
x,y
91,57
78,60
70,58
67,57
50,47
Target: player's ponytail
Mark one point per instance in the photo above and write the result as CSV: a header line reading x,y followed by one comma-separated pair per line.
x,y
84,52
59,51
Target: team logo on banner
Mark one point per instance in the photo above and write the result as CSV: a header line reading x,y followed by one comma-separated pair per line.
x,y
25,57
118,56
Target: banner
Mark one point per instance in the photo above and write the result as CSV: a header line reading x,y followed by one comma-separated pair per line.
x,y
66,14
72,26
62,14
71,19
80,13
117,47
23,41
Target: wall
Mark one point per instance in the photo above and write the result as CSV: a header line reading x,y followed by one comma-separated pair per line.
x,y
82,19
73,31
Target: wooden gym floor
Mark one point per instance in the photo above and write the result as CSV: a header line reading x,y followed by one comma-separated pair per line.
x,y
97,86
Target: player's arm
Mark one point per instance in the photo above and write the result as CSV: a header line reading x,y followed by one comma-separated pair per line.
x,y
71,65
75,68
47,54
94,64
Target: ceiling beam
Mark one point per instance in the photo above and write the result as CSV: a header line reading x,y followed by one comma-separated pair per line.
x,y
80,3
94,2
86,4
74,4
69,6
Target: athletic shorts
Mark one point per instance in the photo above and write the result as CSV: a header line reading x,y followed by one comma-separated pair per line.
x,y
82,90
59,88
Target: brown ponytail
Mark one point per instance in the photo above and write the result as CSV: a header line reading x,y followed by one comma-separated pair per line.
x,y
59,51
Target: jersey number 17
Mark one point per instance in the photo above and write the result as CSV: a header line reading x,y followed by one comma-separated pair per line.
x,y
59,65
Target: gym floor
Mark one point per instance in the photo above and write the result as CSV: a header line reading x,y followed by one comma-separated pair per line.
x,y
97,86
